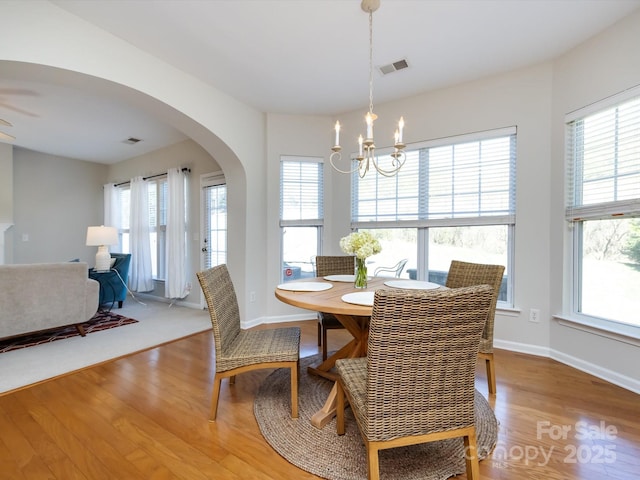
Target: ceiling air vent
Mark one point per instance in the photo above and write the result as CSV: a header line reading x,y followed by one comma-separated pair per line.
x,y
131,141
394,67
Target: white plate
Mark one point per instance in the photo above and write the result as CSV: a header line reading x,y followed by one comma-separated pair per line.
x,y
305,286
411,284
359,298
340,278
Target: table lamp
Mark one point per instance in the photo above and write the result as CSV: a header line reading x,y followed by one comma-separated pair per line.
x,y
101,237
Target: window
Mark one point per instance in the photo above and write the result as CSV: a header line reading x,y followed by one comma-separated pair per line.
x,y
453,199
301,215
603,206
214,197
157,222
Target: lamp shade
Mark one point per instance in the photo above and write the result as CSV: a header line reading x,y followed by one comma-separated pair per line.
x,y
101,235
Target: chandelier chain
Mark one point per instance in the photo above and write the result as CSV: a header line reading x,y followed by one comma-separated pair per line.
x,y
371,61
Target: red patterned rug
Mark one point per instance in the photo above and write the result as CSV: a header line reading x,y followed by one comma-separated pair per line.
x,y
101,321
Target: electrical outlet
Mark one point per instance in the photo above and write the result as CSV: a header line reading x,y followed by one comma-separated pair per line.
x,y
534,315
252,296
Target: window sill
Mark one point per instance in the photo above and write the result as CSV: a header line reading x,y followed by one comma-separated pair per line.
x,y
506,311
614,331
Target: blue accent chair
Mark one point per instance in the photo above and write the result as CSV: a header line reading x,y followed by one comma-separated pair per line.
x,y
113,284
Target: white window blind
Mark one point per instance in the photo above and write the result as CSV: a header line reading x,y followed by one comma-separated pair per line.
x,y
301,191
466,180
603,161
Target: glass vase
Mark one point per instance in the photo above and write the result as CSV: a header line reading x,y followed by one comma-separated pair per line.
x,y
361,273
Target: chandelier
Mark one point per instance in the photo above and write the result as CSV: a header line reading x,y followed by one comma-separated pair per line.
x,y
366,156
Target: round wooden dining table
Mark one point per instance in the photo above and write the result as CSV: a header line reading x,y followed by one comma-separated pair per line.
x,y
354,317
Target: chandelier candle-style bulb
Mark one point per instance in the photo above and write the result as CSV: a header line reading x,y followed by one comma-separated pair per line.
x,y
398,146
369,119
337,134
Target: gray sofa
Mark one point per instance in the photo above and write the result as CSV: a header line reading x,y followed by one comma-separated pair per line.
x,y
41,296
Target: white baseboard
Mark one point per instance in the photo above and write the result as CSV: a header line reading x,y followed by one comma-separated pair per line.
x,y
610,376
522,348
279,319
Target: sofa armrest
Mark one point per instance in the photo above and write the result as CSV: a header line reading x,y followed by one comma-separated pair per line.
x,y
92,292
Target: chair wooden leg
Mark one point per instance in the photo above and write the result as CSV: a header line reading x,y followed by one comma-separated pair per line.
x,y
294,391
319,333
214,398
491,372
372,460
324,343
339,409
471,457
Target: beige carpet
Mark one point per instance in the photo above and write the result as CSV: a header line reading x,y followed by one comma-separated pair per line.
x,y
158,323
327,455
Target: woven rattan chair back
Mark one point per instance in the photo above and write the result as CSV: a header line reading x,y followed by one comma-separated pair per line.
x,y
220,295
335,265
421,360
465,274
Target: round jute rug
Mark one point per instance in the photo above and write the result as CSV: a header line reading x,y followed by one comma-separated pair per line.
x,y
325,454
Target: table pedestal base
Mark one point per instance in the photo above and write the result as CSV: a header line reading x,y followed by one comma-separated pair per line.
x,y
328,410
359,328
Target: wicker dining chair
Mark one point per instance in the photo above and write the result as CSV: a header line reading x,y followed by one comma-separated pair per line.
x,y
238,350
465,274
416,384
331,265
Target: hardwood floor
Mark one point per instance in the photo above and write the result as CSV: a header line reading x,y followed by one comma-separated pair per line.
x,y
145,417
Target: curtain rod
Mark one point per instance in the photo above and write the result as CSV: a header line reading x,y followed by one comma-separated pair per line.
x,y
183,170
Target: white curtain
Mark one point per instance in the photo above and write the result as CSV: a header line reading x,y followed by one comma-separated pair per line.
x,y
112,214
140,274
176,272
112,210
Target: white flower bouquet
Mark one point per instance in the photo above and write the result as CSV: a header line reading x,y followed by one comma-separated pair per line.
x,y
360,244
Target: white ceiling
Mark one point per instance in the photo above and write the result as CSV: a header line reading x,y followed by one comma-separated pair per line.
x,y
291,56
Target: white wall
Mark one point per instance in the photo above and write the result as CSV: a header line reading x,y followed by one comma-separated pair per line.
x,y
55,199
6,183
6,202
